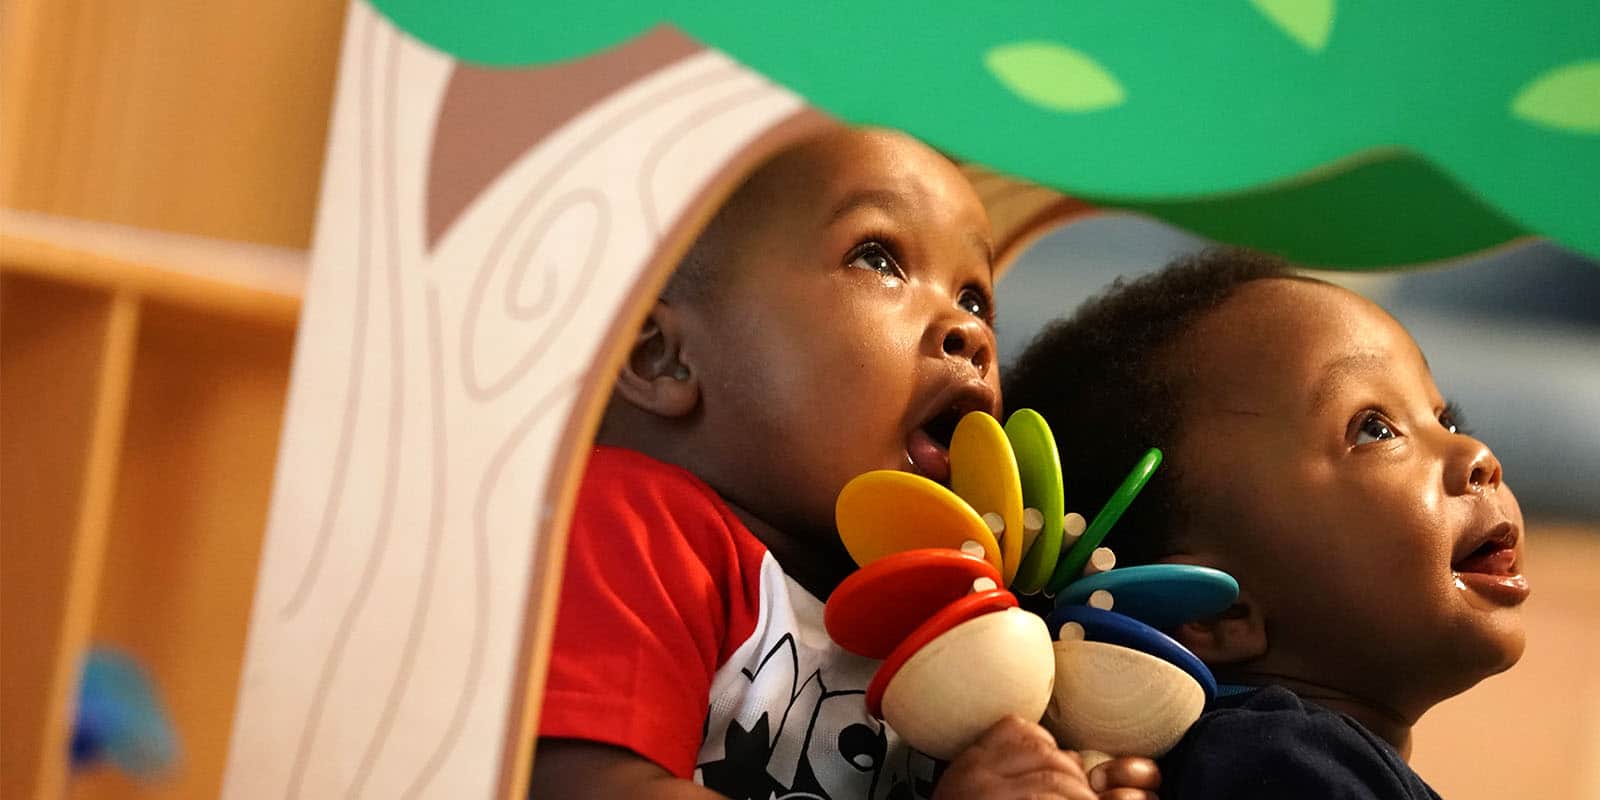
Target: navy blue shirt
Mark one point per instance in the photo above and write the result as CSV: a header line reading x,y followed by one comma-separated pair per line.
x,y
1268,743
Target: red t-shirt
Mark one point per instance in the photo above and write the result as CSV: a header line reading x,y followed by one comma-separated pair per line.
x,y
680,638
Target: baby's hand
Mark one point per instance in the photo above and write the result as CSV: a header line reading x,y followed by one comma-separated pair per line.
x,y
1126,778
1017,759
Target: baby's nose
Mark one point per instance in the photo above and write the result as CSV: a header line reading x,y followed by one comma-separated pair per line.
x,y
967,340
1485,471
1480,471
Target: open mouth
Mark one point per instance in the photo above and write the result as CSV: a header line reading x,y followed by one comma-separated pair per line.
x,y
1490,569
928,446
1495,554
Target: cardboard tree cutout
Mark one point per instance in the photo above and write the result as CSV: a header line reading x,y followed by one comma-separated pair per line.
x,y
1341,134
506,190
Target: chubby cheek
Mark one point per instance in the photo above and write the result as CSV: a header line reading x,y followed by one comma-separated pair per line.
x,y
1351,551
1419,603
837,407
1404,532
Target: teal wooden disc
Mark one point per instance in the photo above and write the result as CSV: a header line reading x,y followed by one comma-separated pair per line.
x,y
1162,596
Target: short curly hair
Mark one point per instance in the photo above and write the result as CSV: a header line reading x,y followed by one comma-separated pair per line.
x,y
1103,380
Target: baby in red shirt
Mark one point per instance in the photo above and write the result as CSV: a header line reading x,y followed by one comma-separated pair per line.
x,y
834,318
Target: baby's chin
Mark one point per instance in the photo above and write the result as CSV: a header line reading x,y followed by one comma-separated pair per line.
x,y
1492,646
1509,639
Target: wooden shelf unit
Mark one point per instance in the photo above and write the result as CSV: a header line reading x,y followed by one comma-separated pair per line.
x,y
140,405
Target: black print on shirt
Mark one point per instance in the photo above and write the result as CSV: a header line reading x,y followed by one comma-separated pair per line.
x,y
810,743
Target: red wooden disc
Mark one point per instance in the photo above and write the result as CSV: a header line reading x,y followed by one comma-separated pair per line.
x,y
879,605
970,607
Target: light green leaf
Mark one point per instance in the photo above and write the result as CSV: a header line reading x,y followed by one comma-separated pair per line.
x,y
1054,76
1566,98
1306,21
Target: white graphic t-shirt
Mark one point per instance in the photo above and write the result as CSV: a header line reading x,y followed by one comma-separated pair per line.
x,y
679,637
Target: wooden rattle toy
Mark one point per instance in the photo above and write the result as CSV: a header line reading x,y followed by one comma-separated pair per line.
x,y
933,599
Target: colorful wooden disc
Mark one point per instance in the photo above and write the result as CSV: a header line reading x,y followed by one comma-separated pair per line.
x,y
885,512
1070,567
879,605
1113,628
983,472
1039,467
1162,596
969,607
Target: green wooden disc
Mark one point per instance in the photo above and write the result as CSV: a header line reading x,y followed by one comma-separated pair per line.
x,y
1039,465
1071,564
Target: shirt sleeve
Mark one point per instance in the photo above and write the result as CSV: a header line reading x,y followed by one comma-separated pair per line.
x,y
641,625
1280,755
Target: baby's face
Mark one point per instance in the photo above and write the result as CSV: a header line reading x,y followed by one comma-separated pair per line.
x,y
1375,533
856,315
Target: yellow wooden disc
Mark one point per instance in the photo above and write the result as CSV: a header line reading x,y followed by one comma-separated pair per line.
x,y
983,472
886,512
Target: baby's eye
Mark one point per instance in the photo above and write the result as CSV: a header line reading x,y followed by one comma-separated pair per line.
x,y
976,303
1373,428
874,258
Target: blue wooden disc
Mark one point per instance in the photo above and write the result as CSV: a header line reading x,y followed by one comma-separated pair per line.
x,y
1113,628
1162,596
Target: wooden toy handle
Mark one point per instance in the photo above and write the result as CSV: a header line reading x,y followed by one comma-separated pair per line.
x,y
1093,758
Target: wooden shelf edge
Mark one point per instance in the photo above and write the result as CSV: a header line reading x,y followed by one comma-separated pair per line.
x,y
235,279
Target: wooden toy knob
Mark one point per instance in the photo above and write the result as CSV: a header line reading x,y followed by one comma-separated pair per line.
x,y
1071,631
1072,527
958,685
1101,560
996,523
1118,700
1032,523
1092,758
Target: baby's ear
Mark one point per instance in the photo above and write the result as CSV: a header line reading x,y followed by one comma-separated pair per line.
x,y
1234,635
655,378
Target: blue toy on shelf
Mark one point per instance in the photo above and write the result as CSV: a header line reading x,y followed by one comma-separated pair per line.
x,y
120,719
